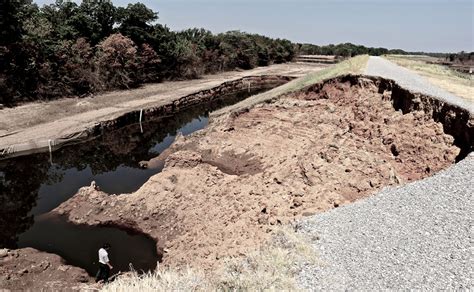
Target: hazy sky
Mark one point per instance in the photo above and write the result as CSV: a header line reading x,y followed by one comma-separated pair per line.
x,y
414,25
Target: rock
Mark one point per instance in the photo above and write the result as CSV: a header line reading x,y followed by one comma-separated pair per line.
x,y
297,202
94,186
83,103
143,164
262,220
44,265
23,271
81,278
63,268
387,140
277,180
3,252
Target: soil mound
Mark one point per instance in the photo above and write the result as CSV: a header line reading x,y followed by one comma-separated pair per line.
x,y
222,189
29,269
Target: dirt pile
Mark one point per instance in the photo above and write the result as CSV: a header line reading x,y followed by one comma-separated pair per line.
x,y
223,189
29,269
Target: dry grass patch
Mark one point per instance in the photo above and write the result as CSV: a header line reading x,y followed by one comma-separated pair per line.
x,y
355,65
271,268
455,82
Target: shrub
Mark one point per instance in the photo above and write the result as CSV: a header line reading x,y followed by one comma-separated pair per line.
x,y
270,268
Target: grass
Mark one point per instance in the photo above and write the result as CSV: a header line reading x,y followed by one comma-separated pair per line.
x,y
355,65
271,268
455,82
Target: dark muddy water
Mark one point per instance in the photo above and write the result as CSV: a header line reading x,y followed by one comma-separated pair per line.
x,y
79,244
31,186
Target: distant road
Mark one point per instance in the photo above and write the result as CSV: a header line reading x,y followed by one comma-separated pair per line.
x,y
378,66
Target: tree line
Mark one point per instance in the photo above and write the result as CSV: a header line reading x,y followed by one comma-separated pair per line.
x,y
461,58
344,50
69,49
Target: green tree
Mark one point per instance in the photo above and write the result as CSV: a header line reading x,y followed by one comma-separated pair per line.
x,y
95,19
11,27
62,15
136,22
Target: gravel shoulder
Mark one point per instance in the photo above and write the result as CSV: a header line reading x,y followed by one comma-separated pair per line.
x,y
378,66
418,236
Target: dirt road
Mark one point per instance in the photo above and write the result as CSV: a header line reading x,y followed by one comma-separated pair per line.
x,y
378,66
41,121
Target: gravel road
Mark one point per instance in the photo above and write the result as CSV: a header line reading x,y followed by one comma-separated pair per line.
x,y
416,236
378,66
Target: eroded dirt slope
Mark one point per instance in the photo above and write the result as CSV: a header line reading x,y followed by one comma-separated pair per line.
x,y
224,188
32,270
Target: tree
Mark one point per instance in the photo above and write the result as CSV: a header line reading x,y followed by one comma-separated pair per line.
x,y
149,64
69,49
136,22
11,28
117,62
187,62
62,16
78,69
95,19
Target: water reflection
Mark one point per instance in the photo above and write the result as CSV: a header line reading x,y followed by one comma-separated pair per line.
x,y
31,186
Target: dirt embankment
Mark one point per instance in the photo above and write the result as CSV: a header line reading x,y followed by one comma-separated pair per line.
x,y
133,116
223,189
29,127
29,269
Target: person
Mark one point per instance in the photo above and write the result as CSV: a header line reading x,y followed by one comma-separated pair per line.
x,y
104,264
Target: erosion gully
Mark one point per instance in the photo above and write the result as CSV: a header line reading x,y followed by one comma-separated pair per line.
x,y
31,186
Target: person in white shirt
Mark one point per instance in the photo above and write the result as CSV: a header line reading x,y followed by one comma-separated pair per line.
x,y
104,264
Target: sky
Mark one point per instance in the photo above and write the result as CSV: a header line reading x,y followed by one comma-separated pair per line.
x,y
412,25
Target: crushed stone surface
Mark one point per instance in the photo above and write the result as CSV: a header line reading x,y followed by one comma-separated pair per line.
x,y
418,236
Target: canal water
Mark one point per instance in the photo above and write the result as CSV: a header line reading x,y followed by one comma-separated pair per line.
x,y
30,187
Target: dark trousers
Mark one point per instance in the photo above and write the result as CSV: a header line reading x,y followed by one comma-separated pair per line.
x,y
103,273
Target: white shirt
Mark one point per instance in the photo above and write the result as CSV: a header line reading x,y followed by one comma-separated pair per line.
x,y
103,256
